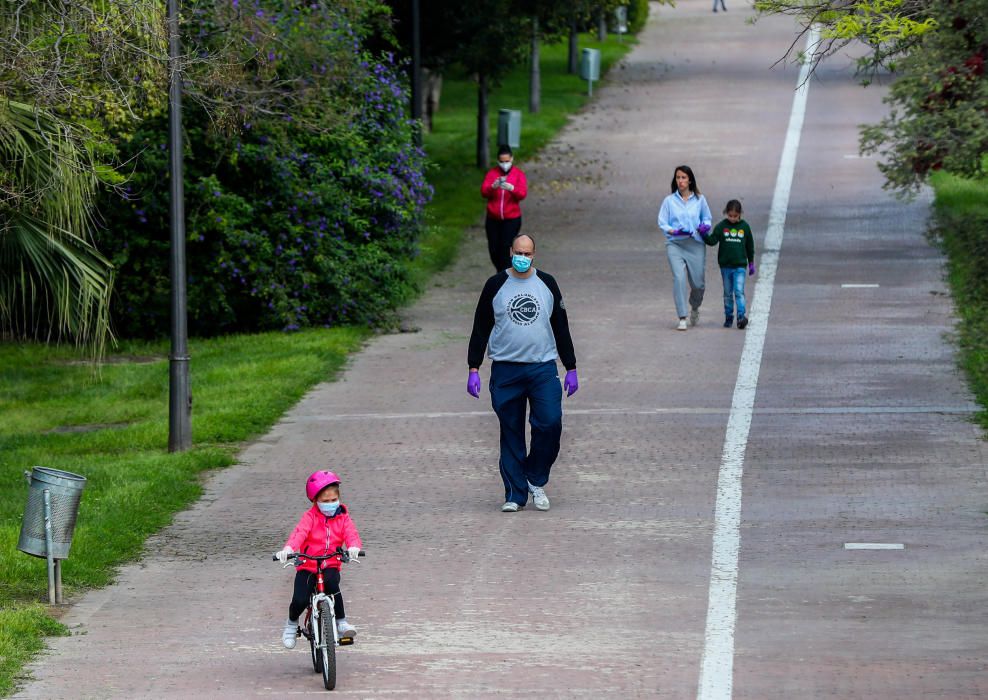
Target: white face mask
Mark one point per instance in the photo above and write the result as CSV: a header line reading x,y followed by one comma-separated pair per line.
x,y
505,166
328,508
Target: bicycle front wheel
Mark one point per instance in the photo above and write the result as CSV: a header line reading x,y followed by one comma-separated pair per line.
x,y
314,650
327,643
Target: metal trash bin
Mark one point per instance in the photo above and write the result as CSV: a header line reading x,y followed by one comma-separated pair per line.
x,y
509,127
590,64
621,19
65,491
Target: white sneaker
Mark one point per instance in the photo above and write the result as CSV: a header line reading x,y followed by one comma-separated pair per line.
x,y
345,629
509,507
290,635
694,317
682,325
539,498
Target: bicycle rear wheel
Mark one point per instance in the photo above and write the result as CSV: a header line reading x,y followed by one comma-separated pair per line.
x,y
328,643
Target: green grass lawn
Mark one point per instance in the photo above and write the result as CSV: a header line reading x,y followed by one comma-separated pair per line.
x,y
961,225
113,429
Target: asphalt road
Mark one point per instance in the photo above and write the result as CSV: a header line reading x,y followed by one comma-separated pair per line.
x,y
860,434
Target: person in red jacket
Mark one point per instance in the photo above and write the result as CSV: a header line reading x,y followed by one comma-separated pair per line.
x,y
322,528
504,187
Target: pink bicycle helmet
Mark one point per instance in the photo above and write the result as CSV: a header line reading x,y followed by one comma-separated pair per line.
x,y
319,480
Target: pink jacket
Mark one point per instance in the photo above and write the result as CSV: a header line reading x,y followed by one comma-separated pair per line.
x,y
319,535
502,204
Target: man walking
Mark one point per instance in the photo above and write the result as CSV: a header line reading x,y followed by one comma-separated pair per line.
x,y
521,321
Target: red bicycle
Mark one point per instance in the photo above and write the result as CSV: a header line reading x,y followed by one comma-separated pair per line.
x,y
318,623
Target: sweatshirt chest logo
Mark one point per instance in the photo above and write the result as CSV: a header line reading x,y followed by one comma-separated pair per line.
x,y
523,309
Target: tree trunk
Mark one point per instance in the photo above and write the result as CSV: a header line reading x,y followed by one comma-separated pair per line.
x,y
601,24
535,74
483,136
432,90
574,59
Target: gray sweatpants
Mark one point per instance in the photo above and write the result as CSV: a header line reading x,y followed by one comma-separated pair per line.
x,y
686,260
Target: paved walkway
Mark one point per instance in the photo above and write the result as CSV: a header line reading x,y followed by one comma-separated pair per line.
x,y
860,434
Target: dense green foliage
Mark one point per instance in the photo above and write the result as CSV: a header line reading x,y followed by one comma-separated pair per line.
x,y
299,218
939,101
961,225
64,71
637,15
937,51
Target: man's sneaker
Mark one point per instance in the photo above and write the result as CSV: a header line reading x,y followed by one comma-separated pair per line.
x,y
539,498
509,507
694,316
290,635
742,322
682,325
345,629
728,321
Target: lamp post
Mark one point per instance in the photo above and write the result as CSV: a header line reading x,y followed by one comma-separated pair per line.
x,y
417,70
179,397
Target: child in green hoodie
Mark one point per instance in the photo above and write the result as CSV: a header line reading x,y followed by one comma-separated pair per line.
x,y
736,251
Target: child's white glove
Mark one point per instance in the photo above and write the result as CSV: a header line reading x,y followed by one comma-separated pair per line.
x,y
354,552
283,555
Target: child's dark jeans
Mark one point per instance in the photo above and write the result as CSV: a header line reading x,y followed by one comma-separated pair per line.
x,y
305,584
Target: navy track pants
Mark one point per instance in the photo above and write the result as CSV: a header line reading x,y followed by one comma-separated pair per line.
x,y
515,387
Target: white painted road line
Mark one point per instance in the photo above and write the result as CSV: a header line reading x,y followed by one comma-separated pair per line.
x,y
873,545
717,665
859,286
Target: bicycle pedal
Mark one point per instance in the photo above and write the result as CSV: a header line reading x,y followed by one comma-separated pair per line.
x,y
346,641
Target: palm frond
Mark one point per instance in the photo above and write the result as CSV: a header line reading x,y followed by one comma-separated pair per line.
x,y
54,284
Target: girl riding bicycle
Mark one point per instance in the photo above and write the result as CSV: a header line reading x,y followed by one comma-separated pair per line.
x,y
322,528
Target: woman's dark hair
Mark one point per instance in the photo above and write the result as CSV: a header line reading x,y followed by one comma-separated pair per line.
x,y
733,206
504,149
689,173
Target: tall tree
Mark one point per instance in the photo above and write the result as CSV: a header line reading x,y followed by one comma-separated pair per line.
x,y
548,19
66,69
53,281
488,41
491,41
937,50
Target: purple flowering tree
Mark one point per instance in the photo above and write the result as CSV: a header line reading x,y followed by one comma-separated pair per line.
x,y
304,190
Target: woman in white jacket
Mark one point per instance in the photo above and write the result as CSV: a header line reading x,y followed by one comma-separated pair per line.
x,y
684,217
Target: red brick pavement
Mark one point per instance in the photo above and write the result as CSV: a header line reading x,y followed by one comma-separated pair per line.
x,y
860,434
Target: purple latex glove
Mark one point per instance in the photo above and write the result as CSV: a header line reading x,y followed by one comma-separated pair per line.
x,y
751,269
571,383
703,229
680,232
473,385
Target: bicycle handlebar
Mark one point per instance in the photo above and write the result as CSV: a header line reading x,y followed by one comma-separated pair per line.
x,y
340,552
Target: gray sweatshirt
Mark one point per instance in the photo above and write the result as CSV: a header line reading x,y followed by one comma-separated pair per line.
x,y
521,320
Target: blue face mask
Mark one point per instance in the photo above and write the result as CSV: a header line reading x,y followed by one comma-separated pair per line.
x,y
521,263
328,508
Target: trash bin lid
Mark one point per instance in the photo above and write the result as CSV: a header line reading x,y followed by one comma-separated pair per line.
x,y
58,477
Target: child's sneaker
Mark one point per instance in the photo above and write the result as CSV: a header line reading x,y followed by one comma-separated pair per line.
x,y
345,629
742,322
682,325
539,498
509,507
728,321
290,635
